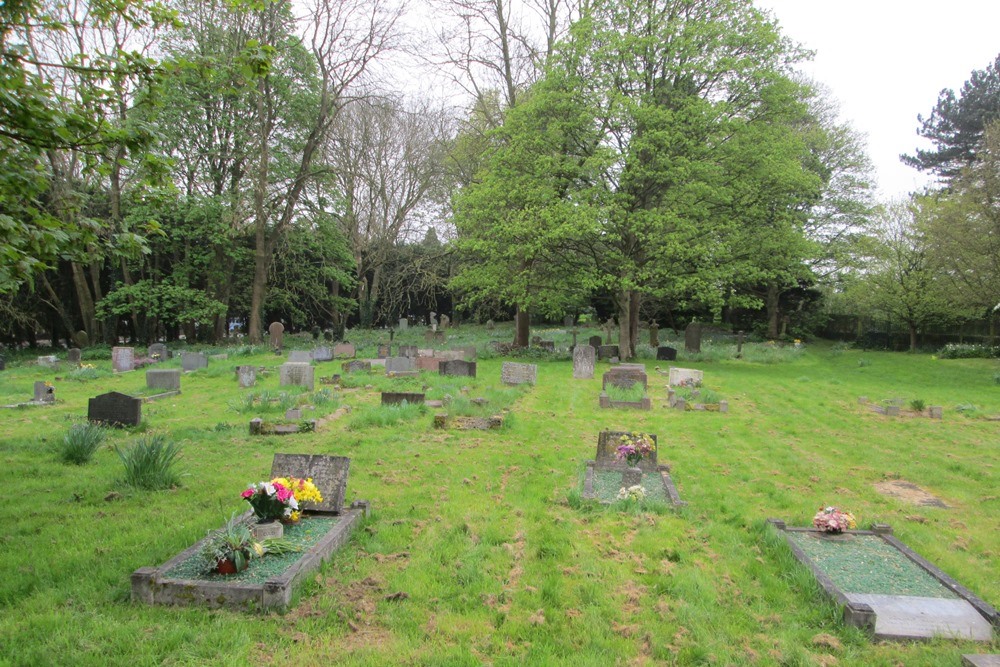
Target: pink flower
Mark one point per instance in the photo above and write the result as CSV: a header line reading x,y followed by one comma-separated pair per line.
x,y
283,492
247,494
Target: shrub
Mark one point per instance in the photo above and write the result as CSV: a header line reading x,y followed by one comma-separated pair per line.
x,y
964,351
149,463
917,405
79,445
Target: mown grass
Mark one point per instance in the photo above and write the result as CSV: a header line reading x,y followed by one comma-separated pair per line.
x,y
484,531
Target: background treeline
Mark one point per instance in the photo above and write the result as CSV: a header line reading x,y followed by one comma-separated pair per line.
x,y
198,167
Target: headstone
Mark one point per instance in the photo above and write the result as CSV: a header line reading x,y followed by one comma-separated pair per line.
x,y
73,355
685,377
514,373
399,365
115,409
595,342
607,449
81,338
449,355
295,374
192,361
445,321
549,345
293,414
625,376
606,352
631,477
357,366
122,359
3,364
328,473
654,335
44,393
246,375
157,351
322,353
666,354
490,325
432,364
408,351
166,379
458,368
692,338
433,336
936,411
568,321
583,362
397,397
344,351
299,357
277,333
536,341
384,351
404,324
432,321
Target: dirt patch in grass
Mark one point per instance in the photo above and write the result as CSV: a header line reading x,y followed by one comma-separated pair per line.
x,y
910,493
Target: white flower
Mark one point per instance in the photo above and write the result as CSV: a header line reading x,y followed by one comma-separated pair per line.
x,y
269,488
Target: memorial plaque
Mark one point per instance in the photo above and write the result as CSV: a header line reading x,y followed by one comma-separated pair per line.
x,y
44,393
397,397
166,379
408,351
583,362
277,333
666,354
514,373
328,473
157,351
607,450
115,409
73,355
625,376
357,366
192,361
322,353
122,359
606,352
458,367
344,351
246,376
468,352
296,374
299,357
399,365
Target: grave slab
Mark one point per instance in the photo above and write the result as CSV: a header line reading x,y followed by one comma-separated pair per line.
x,y
513,373
981,660
907,617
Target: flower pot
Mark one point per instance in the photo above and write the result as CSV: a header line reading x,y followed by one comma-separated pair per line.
x,y
267,529
228,566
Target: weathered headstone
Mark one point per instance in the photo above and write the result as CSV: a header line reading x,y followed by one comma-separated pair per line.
x,y
322,353
192,361
607,450
49,360
3,364
157,351
357,366
44,393
166,379
595,342
685,377
514,373
246,376
458,368
433,336
449,355
468,352
408,351
445,321
568,321
432,321
666,354
606,352
625,376
384,351
293,414
399,365
122,359
344,351
73,355
299,357
490,325
654,335
277,334
583,362
404,324
297,374
692,337
328,473
81,338
115,409
432,364
397,397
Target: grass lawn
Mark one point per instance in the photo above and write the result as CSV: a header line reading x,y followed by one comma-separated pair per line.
x,y
484,532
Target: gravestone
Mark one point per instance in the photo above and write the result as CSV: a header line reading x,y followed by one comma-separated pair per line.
x,y
625,376
115,409
192,361
445,321
299,357
328,473
458,368
685,377
549,345
432,364
384,351
404,324
344,351
609,328
568,321
157,351
433,336
399,365
73,355
397,397
122,359
449,355
295,374
246,376
293,414
606,352
322,353
739,344
48,360
490,325
468,352
277,334
432,321
3,364
81,338
654,335
692,337
595,342
607,449
44,393
357,366
514,373
408,351
666,354
583,362
536,341
166,379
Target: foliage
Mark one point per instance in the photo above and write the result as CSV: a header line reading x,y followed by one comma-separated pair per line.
x,y
918,405
633,447
150,463
80,443
233,542
167,302
968,351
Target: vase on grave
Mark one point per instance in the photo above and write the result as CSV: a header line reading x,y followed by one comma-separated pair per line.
x,y
264,530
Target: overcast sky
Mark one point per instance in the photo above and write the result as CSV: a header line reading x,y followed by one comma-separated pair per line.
x,y
886,61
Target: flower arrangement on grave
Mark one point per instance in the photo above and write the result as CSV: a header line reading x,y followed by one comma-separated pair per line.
x,y
832,520
230,549
632,447
304,491
635,492
279,499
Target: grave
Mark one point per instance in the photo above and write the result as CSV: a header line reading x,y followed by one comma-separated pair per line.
x,y
468,352
260,427
625,376
666,354
157,351
293,414
432,364
115,409
344,351
397,397
404,324
981,660
595,342
887,588
605,473
512,373
399,365
445,321
549,345
3,364
384,351
893,408
568,321
44,393
73,355
48,360
449,355
219,357
295,374
692,338
322,353
493,423
685,377
81,339
122,359
165,379
682,404
606,352
431,336
277,333
323,529
909,493
606,402
192,361
246,376
458,368
583,362
357,366
300,357
408,351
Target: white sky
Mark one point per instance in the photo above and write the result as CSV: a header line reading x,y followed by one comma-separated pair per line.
x,y
885,61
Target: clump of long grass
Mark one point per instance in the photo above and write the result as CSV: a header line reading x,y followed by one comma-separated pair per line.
x,y
150,463
633,393
386,415
80,443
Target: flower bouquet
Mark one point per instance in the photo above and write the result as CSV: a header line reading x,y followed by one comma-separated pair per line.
x,y
636,493
632,447
279,499
832,520
304,491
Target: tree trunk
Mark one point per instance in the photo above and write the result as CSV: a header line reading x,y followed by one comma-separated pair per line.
x,y
85,302
636,299
773,311
626,345
60,309
522,328
258,290
913,338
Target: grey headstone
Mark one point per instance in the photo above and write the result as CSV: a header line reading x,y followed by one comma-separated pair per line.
x,y
625,376
431,336
384,351
490,325
81,338
583,362
299,357
115,409
449,355
322,353
685,377
408,350
328,473
631,477
607,352
297,374
168,379
397,397
73,355
445,321
399,365
344,351
293,414
357,366
458,368
122,359
246,376
277,333
44,393
666,354
432,364
514,373
158,351
692,337
404,324
192,361
468,352
219,357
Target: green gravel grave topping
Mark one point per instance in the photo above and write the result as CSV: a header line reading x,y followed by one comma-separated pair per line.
x,y
607,483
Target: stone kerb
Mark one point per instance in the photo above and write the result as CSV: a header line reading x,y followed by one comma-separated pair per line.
x,y
607,448
295,374
512,373
167,379
397,397
458,368
625,376
583,362
115,409
685,377
192,361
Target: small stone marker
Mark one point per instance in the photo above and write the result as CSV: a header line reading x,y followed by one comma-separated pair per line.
x,y
448,355
445,321
296,374
936,412
122,359
81,338
73,355
397,397
115,409
157,351
606,352
595,342
192,361
432,336
692,337
328,473
685,377
246,376
666,354
399,365
357,366
607,449
322,353
458,368
625,376
583,362
166,379
404,324
277,333
408,351
513,373
344,351
44,393
299,357
490,325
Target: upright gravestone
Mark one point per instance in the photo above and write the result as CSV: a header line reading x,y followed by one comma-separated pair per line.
x,y
692,337
434,336
115,409
157,351
595,342
514,373
606,352
432,321
568,321
445,321
297,374
468,352
583,362
122,359
399,365
490,325
277,333
666,354
624,376
44,393
685,377
408,350
397,397
458,368
300,357
344,351
322,353
654,335
607,450
166,379
328,473
246,376
384,351
404,324
432,364
49,360
81,338
739,344
73,355
357,366
192,361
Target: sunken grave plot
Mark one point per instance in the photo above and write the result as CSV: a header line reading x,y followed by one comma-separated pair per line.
x,y
887,588
695,399
624,387
606,476
898,407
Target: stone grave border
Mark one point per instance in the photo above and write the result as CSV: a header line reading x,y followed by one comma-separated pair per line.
x,y
933,411
668,484
156,397
606,402
491,423
149,585
680,404
260,427
861,615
